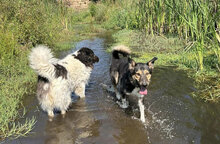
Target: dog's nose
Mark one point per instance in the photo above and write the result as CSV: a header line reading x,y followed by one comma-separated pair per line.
x,y
96,59
145,85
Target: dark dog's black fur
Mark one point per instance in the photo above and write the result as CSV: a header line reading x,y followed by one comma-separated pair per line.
x,y
87,57
130,78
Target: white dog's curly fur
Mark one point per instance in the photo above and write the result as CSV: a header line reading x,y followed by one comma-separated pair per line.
x,y
57,79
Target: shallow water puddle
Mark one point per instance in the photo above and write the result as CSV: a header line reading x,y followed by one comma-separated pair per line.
x,y
174,117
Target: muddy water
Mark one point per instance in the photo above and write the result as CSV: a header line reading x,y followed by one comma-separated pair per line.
x,y
173,116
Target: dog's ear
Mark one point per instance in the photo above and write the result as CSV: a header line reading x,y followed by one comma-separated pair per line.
x,y
151,63
132,64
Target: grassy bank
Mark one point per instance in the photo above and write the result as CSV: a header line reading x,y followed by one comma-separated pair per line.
x,y
183,33
23,25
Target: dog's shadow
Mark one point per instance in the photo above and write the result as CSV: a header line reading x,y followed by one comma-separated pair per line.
x,y
77,124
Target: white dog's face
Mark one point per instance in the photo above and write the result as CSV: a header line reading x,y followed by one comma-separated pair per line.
x,y
86,56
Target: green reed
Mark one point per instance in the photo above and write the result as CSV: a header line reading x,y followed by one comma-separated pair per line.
x,y
192,20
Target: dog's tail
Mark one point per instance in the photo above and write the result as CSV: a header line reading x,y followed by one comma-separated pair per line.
x,y
120,49
42,61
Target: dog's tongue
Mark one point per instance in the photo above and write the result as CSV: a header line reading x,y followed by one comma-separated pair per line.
x,y
143,92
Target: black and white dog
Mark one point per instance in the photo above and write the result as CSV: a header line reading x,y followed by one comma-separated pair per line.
x,y
130,78
58,78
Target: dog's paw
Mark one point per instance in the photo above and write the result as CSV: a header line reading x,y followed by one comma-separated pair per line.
x,y
143,119
50,115
124,104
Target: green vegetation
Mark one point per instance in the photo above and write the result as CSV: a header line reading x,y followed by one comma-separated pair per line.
x,y
183,33
24,24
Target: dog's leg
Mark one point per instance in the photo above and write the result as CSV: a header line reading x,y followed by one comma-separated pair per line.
x,y
50,113
141,107
63,112
80,90
118,95
124,103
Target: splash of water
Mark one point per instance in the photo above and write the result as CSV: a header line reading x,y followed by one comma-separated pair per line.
x,y
164,125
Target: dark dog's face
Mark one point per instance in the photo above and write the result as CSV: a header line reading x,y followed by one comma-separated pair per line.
x,y
86,56
141,74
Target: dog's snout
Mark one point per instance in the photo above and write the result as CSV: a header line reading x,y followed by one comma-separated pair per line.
x,y
144,83
96,59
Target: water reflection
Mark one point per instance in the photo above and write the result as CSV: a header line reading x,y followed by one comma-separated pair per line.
x,y
77,125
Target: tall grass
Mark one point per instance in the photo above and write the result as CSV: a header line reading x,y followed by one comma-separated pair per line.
x,y
192,20
24,24
195,21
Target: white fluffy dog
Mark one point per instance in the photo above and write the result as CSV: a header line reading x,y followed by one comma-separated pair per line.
x,y
58,78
